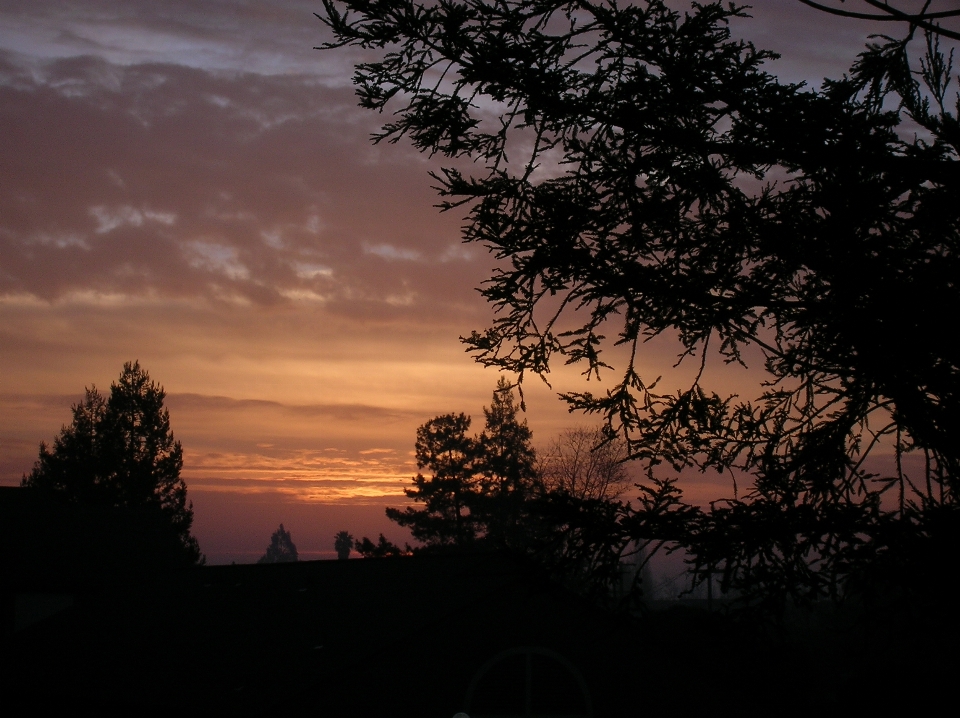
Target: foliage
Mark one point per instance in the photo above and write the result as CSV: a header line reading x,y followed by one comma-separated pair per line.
x,y
479,487
646,176
383,548
505,462
281,548
486,493
444,448
343,543
928,18
120,451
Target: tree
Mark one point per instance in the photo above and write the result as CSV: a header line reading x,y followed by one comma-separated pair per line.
x,y
582,537
383,548
121,452
586,463
479,487
661,182
343,543
446,519
928,18
281,548
507,477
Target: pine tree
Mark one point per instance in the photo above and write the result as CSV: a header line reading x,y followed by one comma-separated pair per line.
x,y
447,518
383,548
73,468
477,489
281,548
506,465
120,452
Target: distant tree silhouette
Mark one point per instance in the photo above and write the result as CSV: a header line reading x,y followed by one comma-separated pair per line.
x,y
119,451
505,463
444,448
479,486
662,183
343,543
281,548
587,463
485,492
383,548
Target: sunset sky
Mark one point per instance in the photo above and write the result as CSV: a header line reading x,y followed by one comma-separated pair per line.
x,y
190,184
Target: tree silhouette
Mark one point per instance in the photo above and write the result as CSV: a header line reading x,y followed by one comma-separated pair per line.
x,y
281,548
586,463
929,18
479,487
671,186
444,448
383,548
120,452
505,462
343,543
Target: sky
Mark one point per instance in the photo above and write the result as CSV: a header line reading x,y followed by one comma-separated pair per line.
x,y
190,184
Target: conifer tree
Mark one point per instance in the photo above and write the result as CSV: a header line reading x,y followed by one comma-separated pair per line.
x,y
477,489
448,494
120,452
281,548
506,467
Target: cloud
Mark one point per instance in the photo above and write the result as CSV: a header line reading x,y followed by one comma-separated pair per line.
x,y
269,38
307,475
309,270
153,150
171,149
391,253
216,258
316,452
126,215
338,412
129,180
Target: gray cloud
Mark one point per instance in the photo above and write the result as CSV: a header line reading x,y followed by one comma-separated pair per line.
x,y
169,149
340,412
171,181
270,38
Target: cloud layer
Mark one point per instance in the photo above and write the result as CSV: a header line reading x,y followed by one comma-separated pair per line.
x,y
163,181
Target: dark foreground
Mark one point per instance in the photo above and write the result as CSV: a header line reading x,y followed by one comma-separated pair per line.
x,y
431,636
